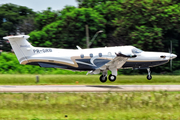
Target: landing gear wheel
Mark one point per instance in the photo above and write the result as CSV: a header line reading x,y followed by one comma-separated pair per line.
x,y
149,77
103,78
112,78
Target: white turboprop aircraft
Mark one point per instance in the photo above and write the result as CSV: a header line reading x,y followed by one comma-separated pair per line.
x,y
94,60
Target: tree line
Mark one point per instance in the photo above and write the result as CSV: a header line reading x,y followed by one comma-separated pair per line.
x,y
147,24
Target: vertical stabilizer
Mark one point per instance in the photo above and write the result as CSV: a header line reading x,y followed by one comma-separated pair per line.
x,y
21,47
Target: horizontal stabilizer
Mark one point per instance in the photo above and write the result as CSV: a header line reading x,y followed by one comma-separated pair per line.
x,y
17,37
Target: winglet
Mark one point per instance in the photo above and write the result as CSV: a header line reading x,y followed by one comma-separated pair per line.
x,y
78,47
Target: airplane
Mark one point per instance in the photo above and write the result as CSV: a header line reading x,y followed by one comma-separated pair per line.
x,y
93,60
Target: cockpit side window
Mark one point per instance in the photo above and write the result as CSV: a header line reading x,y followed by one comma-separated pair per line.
x,y
136,50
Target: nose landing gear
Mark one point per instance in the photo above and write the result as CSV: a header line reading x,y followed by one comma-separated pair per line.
x,y
149,77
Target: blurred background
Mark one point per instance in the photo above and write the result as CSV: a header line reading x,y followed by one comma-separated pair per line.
x,y
151,25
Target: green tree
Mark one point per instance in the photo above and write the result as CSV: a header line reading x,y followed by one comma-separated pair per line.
x,y
27,25
146,24
10,17
48,16
11,20
150,25
69,31
44,18
140,23
90,3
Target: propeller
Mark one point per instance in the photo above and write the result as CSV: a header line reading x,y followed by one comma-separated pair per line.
x,y
170,51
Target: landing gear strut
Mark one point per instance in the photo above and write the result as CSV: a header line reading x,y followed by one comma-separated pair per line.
x,y
112,77
149,77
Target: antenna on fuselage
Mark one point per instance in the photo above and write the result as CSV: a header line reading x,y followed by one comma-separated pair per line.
x,y
78,47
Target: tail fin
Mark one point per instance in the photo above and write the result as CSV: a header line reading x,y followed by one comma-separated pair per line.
x,y
21,47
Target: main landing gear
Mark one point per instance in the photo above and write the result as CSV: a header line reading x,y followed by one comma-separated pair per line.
x,y
112,77
103,78
149,77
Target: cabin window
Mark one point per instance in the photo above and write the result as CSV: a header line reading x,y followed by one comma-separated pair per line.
x,y
91,55
82,55
100,54
109,54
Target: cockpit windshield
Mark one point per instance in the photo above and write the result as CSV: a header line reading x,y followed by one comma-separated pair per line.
x,y
136,50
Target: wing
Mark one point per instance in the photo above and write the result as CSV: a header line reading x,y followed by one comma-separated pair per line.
x,y
117,62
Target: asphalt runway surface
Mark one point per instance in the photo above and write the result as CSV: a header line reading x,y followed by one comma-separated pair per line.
x,y
87,88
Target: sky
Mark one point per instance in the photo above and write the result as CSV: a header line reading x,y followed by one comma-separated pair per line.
x,y
39,5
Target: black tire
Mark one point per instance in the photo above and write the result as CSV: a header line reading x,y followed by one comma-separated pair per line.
x,y
112,78
103,78
149,77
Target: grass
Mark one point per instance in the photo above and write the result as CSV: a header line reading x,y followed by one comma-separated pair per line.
x,y
84,79
111,106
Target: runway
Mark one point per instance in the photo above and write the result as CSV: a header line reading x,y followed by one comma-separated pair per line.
x,y
88,88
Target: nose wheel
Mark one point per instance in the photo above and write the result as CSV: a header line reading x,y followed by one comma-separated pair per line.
x,y
149,77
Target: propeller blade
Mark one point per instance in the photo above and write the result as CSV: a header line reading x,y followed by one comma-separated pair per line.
x,y
171,46
171,65
170,51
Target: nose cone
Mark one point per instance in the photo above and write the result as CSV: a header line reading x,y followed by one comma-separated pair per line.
x,y
172,56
